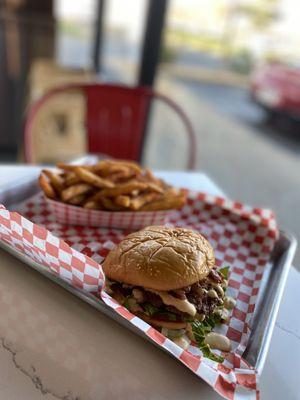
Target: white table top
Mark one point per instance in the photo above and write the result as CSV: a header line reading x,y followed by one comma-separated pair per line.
x,y
25,373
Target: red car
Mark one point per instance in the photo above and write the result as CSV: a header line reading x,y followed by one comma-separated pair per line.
x,y
276,88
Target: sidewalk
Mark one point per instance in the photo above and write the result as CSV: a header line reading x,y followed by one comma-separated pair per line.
x,y
197,73
126,69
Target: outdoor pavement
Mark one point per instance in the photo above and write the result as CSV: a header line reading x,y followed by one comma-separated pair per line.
x,y
249,167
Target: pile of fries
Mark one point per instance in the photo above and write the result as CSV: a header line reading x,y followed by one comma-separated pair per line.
x,y
110,185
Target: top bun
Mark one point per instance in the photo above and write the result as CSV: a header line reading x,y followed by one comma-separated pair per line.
x,y
160,258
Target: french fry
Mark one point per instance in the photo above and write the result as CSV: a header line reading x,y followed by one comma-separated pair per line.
x,y
123,201
92,179
92,205
65,167
130,164
123,175
71,178
154,187
55,179
95,196
137,202
112,185
77,200
70,167
150,177
109,205
46,187
107,167
110,169
75,190
93,202
165,203
124,188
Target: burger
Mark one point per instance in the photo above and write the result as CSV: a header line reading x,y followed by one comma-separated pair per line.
x,y
168,277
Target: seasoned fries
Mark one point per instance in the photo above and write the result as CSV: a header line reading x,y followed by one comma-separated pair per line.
x,y
164,203
92,178
75,190
138,201
124,188
108,204
123,201
56,180
46,186
111,185
77,200
71,179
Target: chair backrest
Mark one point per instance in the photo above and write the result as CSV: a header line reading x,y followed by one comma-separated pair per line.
x,y
115,119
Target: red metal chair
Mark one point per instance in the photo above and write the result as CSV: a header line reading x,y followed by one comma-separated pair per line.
x,y
116,118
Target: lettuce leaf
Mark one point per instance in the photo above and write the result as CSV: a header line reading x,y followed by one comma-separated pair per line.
x,y
212,321
187,318
126,304
209,354
150,309
224,271
200,329
170,316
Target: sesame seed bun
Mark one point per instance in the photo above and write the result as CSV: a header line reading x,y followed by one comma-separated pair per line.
x,y
160,258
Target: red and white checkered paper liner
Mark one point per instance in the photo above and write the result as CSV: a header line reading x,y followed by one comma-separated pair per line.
x,y
242,237
72,215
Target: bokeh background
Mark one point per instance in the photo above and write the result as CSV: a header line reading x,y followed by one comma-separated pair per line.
x,y
231,64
